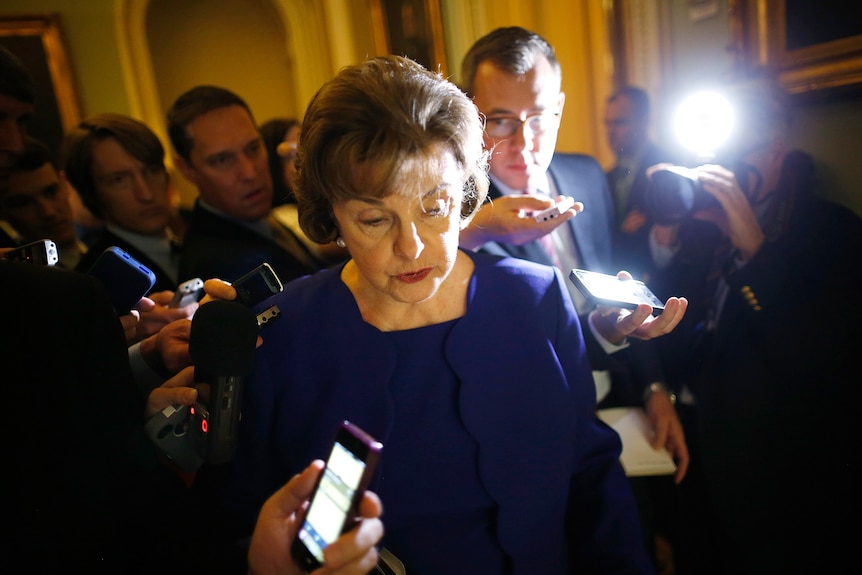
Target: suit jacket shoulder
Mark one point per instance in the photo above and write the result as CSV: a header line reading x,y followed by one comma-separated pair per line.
x,y
215,247
581,177
107,239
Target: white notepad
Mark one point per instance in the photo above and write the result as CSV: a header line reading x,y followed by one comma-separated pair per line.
x,y
638,456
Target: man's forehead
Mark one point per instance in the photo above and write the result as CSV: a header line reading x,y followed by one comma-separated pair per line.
x,y
21,180
496,90
222,128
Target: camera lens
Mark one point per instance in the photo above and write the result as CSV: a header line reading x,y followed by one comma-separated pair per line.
x,y
674,194
670,197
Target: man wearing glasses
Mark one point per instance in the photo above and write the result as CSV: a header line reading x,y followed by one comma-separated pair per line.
x,y
514,78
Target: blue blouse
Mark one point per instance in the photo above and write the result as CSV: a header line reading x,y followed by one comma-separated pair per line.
x,y
493,460
461,516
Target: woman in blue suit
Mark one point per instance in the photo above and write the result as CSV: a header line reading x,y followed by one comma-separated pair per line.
x,y
470,368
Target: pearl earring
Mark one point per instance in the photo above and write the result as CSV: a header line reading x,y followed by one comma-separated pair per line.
x,y
339,241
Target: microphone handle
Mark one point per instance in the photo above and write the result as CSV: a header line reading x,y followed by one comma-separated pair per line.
x,y
222,414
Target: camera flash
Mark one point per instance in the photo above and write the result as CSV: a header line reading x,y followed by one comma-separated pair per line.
x,y
703,122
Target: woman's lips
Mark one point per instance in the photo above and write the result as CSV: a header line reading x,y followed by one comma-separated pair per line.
x,y
414,277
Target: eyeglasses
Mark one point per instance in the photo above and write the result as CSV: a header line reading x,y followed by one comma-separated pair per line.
x,y
506,126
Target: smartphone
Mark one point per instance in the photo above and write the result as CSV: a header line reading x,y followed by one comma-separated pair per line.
x,y
41,252
188,292
335,501
609,290
554,211
257,285
126,279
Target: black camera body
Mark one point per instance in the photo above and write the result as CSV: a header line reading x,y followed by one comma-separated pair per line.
x,y
673,194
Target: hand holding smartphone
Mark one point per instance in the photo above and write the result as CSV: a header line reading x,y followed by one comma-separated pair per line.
x,y
611,291
554,211
126,279
190,291
335,501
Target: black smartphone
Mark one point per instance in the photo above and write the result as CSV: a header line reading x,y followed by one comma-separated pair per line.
x,y
188,292
611,291
41,252
126,279
257,285
335,501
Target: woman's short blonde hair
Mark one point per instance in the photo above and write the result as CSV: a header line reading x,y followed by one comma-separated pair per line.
x,y
386,114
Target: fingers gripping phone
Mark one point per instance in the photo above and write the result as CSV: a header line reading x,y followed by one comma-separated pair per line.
x,y
611,291
126,279
190,291
554,211
335,500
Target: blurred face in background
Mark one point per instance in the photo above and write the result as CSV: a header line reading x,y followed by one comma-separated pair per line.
x,y
36,203
625,132
287,152
133,196
228,163
522,120
14,115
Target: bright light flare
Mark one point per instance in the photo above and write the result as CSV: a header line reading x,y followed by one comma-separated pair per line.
x,y
704,122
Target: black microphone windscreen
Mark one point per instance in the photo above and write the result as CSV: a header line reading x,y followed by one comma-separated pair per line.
x,y
223,338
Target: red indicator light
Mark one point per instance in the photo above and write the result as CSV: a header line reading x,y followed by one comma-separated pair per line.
x,y
204,425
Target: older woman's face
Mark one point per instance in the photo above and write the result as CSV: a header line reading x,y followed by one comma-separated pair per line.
x,y
405,244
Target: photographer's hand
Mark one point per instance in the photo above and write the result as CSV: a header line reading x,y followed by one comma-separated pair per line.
x,y
736,218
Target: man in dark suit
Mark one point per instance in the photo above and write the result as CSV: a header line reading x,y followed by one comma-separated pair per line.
x,y
766,359
35,202
627,118
515,81
220,150
117,165
85,481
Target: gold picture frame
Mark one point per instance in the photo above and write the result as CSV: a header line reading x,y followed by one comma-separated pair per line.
x,y
38,41
412,28
762,36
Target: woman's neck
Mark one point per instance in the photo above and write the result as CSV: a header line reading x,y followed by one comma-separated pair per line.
x,y
388,314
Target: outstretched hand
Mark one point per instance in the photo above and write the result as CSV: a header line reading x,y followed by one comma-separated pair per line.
x,y
615,324
507,219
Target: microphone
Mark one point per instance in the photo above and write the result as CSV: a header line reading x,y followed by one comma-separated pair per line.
x,y
221,343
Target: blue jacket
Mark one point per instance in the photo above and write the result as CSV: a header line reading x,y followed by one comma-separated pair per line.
x,y
527,397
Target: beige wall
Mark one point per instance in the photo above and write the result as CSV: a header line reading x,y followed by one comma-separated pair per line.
x,y
829,128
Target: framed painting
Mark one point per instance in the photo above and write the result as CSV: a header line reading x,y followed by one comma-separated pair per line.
x,y
809,45
412,28
38,42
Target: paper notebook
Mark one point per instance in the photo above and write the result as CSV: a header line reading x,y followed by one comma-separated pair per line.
x,y
638,456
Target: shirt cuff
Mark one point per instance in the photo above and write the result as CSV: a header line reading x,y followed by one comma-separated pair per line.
x,y
145,376
607,346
